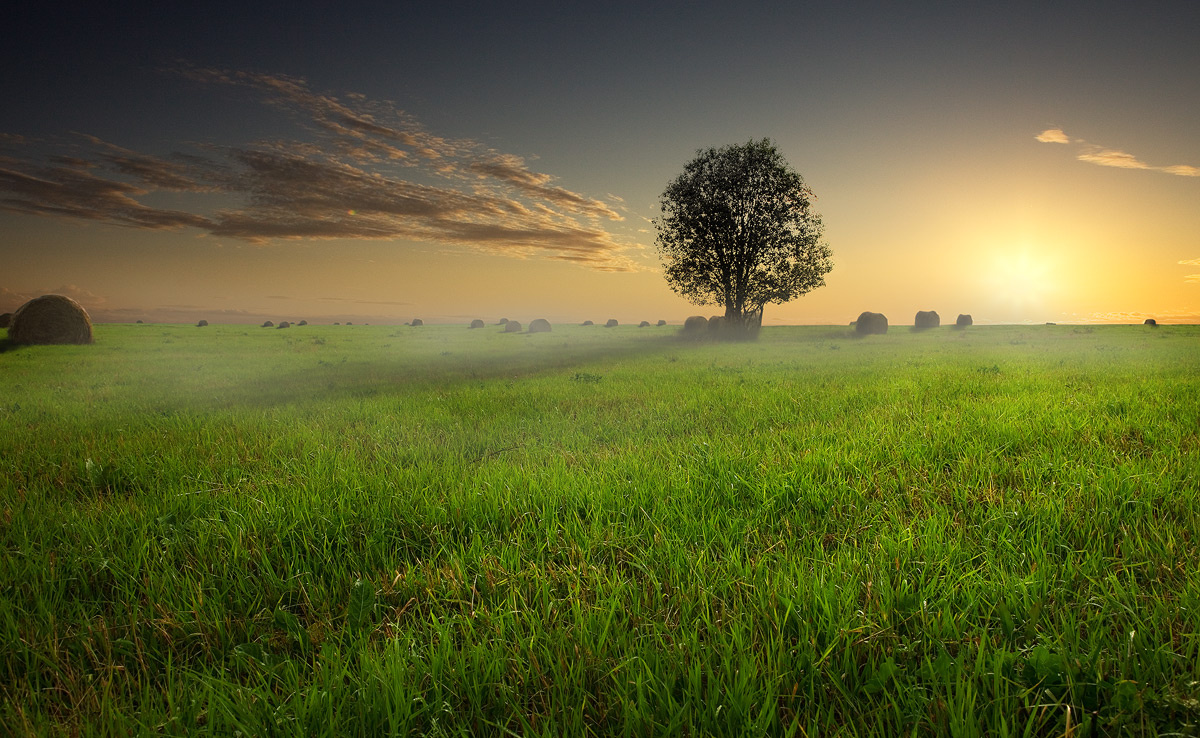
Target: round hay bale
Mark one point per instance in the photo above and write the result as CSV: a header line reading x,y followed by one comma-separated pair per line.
x,y
502,321
349,322
661,323
303,322
417,322
716,323
477,323
588,322
926,319
644,324
6,319
963,320
871,323
336,323
139,322
202,324
1150,322
50,319
695,324
540,325
283,324
512,326
612,323
268,324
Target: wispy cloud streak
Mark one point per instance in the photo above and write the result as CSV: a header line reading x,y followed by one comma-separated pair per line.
x,y
363,170
1106,157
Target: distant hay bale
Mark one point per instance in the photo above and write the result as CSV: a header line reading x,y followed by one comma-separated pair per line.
x,y
1150,322
303,322
695,324
644,324
6,319
202,323
869,323
417,322
348,322
139,322
926,319
963,320
336,323
661,323
540,325
716,323
477,323
283,324
268,324
502,321
50,319
612,323
588,322
512,326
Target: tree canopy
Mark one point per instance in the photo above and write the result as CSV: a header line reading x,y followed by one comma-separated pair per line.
x,y
738,230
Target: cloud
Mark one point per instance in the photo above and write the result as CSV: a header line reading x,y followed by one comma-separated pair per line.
x,y
1106,157
1191,262
362,170
11,300
1053,135
1112,158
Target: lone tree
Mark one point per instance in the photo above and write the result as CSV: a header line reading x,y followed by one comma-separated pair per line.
x,y
738,230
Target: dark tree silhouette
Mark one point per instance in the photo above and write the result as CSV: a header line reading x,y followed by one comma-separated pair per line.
x,y
738,230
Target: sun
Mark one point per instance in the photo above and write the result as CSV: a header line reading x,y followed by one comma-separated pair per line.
x,y
1021,279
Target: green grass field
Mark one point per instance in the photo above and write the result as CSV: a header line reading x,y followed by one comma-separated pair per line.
x,y
367,530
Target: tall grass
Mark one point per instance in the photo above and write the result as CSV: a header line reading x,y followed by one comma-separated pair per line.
x,y
371,530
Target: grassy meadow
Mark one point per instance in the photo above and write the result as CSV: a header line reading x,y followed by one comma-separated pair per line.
x,y
364,530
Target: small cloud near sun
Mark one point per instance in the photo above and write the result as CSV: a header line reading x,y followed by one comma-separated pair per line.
x,y
1053,135
1106,157
1191,262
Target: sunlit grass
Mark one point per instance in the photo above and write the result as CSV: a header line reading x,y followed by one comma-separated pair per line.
x,y
373,529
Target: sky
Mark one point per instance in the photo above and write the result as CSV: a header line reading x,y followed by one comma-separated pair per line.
x,y
379,162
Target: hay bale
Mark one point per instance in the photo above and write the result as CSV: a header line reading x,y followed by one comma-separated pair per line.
x,y
477,323
512,326
588,322
336,323
716,323
540,325
303,322
6,319
644,324
139,322
926,319
869,323
503,321
612,323
202,324
661,323
695,324
50,319
268,324
348,322
963,321
283,324
417,322
1150,322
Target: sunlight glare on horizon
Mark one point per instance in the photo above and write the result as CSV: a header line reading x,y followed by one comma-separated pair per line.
x,y
1021,279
